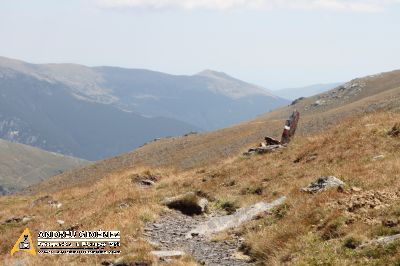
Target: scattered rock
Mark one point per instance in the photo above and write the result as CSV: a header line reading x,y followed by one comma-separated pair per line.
x,y
147,182
356,206
13,220
218,224
241,256
311,158
368,200
73,227
60,222
26,219
356,189
170,233
49,200
324,183
379,157
188,203
124,205
41,200
390,222
122,262
272,141
395,131
23,219
262,149
318,103
55,204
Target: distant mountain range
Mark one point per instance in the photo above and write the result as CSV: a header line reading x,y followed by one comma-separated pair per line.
x,y
98,112
22,166
295,93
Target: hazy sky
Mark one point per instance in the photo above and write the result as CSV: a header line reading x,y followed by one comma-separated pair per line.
x,y
273,43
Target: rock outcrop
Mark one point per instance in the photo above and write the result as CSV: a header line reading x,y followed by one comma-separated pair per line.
x,y
218,224
324,183
263,149
271,144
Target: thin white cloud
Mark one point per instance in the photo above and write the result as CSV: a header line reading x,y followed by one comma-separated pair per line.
x,y
334,5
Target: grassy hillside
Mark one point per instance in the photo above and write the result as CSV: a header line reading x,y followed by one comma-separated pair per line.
x,y
22,165
320,229
364,95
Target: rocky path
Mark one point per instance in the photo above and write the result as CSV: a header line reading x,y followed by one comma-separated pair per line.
x,y
170,234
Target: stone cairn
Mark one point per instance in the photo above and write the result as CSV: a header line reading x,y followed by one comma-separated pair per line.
x,y
271,144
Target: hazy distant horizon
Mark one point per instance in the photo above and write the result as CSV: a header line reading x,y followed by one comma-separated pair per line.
x,y
273,44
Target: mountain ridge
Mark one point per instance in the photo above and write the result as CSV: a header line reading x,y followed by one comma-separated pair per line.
x,y
306,91
140,105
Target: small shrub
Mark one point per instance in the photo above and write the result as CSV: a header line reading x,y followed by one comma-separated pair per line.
x,y
352,242
281,211
147,216
230,206
201,171
252,190
386,231
230,183
333,229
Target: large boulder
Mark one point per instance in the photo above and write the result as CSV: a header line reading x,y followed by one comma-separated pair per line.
x,y
188,203
323,183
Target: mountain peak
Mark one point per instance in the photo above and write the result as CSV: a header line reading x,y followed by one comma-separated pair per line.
x,y
213,74
232,87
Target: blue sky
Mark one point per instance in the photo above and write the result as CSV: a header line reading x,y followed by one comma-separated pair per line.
x,y
272,43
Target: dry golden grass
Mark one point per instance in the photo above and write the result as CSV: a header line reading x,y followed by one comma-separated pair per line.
x,y
91,208
307,230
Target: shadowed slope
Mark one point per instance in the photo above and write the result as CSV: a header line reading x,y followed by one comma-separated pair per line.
x,y
22,165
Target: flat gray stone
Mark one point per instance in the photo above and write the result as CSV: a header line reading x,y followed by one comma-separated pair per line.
x,y
218,224
168,253
147,182
382,240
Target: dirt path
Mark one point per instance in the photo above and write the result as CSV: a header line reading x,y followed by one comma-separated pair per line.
x,y
170,232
